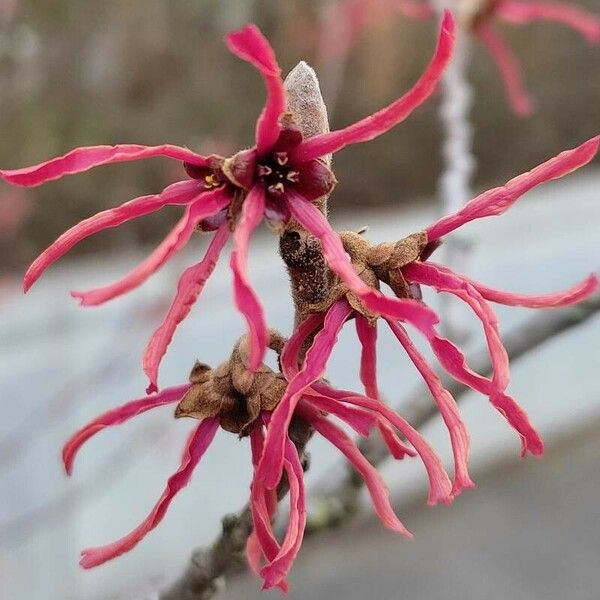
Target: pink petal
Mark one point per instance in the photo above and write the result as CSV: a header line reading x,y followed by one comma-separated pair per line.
x,y
205,205
245,297
375,125
290,356
367,335
440,488
250,45
263,505
275,572
360,420
117,416
498,200
444,280
509,68
83,159
313,369
178,193
448,408
189,287
373,480
582,21
572,295
395,446
197,445
309,216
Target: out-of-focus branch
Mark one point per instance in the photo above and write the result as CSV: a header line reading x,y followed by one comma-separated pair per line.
x,y
459,164
340,503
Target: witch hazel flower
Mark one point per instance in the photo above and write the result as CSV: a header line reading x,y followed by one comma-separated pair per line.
x,y
281,177
479,17
404,266
241,402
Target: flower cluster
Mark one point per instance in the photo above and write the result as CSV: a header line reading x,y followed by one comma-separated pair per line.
x,y
279,178
282,178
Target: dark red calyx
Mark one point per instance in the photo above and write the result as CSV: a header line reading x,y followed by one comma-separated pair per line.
x,y
212,175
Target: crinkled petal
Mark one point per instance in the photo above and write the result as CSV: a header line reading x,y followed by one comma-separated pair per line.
x,y
498,200
178,193
582,21
83,159
117,416
510,71
443,279
367,335
290,356
197,445
440,487
309,216
373,480
361,421
448,408
245,298
276,571
250,45
572,295
383,120
394,444
313,369
189,287
205,205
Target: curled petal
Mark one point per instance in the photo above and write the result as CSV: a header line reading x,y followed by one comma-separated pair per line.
x,y
245,297
178,193
83,159
197,445
189,287
313,369
498,200
448,408
444,280
509,68
250,45
290,356
367,335
440,487
373,480
394,444
582,21
275,572
117,416
572,295
309,216
360,420
375,125
205,205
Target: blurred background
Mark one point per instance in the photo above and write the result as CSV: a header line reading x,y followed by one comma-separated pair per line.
x,y
150,72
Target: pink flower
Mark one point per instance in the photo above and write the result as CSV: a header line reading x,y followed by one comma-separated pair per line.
x,y
278,178
404,267
241,403
521,12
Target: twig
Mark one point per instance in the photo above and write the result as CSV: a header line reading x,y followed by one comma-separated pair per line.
x,y
340,503
310,280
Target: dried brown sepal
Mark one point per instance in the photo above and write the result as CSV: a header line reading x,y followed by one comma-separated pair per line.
x,y
231,392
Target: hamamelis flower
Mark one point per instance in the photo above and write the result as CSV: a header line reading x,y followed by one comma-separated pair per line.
x,y
480,14
404,266
280,177
242,403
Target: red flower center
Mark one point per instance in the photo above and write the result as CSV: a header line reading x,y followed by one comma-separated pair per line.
x,y
276,173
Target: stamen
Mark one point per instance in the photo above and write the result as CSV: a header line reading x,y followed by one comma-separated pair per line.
x,y
293,176
281,158
264,170
277,189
